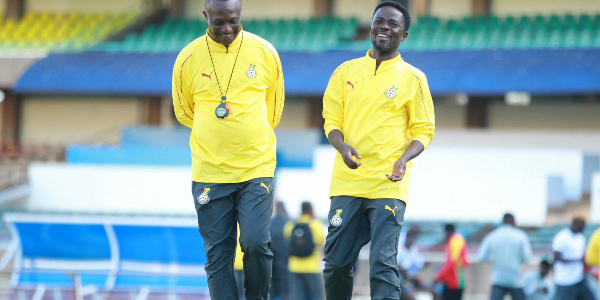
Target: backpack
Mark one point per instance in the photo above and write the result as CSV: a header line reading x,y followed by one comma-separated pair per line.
x,y
301,241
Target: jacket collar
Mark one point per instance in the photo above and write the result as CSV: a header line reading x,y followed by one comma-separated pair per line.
x,y
386,64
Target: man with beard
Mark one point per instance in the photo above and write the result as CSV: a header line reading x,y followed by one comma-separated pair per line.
x,y
379,116
228,88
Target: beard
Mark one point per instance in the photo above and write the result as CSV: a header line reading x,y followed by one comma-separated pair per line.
x,y
382,48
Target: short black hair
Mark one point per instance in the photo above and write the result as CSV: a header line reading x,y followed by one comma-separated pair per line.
x,y
508,217
306,207
449,227
399,7
545,263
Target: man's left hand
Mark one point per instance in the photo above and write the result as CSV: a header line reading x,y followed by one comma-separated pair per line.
x,y
398,171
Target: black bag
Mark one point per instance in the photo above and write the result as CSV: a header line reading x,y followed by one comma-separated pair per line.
x,y
301,241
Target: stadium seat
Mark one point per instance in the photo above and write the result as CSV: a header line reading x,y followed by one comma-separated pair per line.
x,y
44,31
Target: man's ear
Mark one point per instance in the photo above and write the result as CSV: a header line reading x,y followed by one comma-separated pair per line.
x,y
404,35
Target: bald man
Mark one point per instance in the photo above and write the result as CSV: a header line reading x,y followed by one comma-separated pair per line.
x,y
228,88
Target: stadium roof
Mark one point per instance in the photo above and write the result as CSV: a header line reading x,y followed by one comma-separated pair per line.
x,y
479,72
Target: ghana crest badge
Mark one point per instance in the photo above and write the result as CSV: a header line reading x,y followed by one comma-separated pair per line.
x,y
336,220
204,198
251,73
391,92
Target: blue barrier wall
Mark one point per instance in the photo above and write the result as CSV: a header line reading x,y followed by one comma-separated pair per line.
x,y
481,72
130,155
151,145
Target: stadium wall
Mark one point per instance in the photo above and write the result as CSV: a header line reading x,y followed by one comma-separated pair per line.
x,y
262,9
441,191
449,115
450,8
110,189
545,116
362,9
295,114
533,7
64,120
100,118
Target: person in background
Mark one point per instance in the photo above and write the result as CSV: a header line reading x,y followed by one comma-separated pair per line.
x,y
453,274
279,247
410,262
306,237
537,285
568,246
592,253
507,248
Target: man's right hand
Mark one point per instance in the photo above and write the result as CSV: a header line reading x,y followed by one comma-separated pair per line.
x,y
336,138
347,153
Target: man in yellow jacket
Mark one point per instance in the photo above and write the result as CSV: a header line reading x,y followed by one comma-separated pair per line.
x,y
379,116
592,253
306,279
228,88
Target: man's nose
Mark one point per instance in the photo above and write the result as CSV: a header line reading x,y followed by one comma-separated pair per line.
x,y
227,28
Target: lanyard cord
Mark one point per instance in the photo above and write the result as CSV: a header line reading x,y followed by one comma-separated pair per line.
x,y
224,97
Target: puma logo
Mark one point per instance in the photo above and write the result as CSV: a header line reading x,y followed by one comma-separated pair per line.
x,y
265,186
204,75
392,210
351,84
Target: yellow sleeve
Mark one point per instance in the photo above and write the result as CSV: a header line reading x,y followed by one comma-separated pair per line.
x,y
316,227
287,230
333,103
276,90
421,123
592,252
183,103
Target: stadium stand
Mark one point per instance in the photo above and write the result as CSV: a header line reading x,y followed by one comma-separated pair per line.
x,y
493,32
59,31
427,33
173,34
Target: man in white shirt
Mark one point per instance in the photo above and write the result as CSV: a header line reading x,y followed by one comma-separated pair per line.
x,y
568,246
507,248
410,262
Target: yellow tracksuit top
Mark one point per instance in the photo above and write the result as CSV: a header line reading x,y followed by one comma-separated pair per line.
x,y
312,263
592,253
380,113
242,146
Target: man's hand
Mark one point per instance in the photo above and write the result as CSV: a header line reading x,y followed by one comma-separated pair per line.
x,y
398,171
347,153
336,138
414,149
